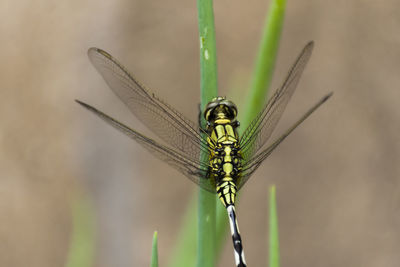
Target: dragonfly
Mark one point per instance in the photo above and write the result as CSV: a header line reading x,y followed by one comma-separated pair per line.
x,y
230,159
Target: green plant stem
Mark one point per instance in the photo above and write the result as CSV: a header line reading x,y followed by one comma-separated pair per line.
x,y
273,230
206,256
208,55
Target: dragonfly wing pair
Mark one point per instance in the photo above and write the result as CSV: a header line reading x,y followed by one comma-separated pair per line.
x,y
184,136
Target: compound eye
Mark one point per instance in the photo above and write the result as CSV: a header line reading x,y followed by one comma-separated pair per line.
x,y
231,108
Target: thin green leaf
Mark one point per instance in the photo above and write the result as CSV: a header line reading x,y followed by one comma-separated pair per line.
x,y
154,251
265,62
81,250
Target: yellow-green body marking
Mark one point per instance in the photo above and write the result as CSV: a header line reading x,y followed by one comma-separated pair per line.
x,y
225,158
225,163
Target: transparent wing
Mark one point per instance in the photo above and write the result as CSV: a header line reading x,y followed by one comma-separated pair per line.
x,y
161,118
261,128
251,165
195,170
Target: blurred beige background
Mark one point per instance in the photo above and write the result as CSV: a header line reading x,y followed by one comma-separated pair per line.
x,y
337,176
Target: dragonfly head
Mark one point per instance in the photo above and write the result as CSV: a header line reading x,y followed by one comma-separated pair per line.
x,y
220,108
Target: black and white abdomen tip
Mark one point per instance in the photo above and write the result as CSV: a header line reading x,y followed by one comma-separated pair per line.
x,y
237,240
